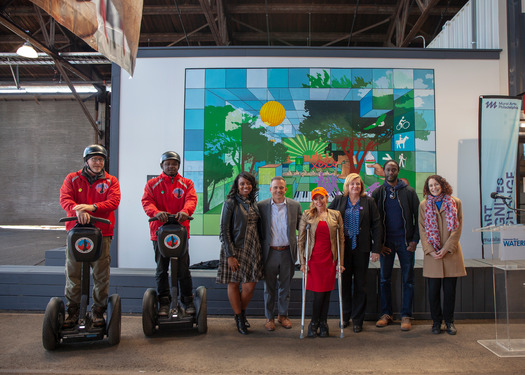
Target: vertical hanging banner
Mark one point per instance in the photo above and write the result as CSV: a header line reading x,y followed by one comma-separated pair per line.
x,y
498,146
111,27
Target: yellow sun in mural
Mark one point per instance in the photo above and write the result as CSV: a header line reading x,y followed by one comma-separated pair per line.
x,y
272,113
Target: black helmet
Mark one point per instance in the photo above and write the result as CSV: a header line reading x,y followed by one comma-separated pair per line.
x,y
169,155
93,150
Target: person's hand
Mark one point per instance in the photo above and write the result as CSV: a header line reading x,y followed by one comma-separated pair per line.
x,y
84,207
162,216
411,246
181,216
340,269
440,254
374,257
303,268
83,217
233,264
386,250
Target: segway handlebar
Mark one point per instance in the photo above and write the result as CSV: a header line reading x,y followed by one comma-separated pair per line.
x,y
170,216
93,219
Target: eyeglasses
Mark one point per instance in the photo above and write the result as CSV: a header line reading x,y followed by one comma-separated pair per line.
x,y
392,193
97,160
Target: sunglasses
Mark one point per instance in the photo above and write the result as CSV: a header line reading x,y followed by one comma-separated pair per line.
x,y
392,193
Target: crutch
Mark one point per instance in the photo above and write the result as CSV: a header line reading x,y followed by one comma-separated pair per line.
x,y
305,276
339,284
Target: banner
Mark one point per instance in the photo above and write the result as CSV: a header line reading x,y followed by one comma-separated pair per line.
x,y
111,27
498,146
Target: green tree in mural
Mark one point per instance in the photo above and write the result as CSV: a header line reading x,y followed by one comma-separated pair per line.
x,y
339,122
216,170
258,148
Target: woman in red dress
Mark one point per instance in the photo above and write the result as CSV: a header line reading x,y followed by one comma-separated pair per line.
x,y
322,252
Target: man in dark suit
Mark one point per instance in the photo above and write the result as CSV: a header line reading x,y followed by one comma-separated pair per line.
x,y
280,217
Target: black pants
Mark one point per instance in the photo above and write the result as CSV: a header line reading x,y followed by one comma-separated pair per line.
x,y
354,284
183,275
320,306
449,298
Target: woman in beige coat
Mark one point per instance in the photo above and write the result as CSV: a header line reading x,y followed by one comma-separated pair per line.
x,y
440,223
324,227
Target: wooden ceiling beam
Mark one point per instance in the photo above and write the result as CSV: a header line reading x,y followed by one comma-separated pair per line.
x,y
286,8
419,23
210,18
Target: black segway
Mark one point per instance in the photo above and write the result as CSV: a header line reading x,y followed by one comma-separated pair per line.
x,y
85,245
172,238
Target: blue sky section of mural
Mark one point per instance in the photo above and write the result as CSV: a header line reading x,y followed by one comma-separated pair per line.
x,y
312,126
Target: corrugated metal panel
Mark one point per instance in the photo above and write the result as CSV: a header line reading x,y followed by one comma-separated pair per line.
x,y
458,32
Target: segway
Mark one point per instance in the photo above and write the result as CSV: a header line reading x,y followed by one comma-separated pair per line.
x,y
85,245
172,239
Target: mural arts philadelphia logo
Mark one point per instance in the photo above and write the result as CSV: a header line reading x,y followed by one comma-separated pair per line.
x,y
172,241
501,105
84,245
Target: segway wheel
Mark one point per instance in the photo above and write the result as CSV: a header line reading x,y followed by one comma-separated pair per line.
x,y
53,322
149,312
114,315
202,310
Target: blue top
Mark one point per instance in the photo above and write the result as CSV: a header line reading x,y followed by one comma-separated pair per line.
x,y
351,221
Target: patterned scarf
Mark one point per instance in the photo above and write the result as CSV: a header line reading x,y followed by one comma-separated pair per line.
x,y
451,216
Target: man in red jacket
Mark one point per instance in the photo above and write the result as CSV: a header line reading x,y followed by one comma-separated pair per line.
x,y
170,193
90,191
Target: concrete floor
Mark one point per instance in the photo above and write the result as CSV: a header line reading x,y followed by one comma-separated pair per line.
x,y
224,351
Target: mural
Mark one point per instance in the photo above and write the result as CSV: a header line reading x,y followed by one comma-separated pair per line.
x,y
311,126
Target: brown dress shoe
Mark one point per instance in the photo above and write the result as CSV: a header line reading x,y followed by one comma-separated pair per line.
x,y
406,324
285,321
384,321
270,325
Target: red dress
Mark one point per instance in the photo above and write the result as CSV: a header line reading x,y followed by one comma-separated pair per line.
x,y
321,267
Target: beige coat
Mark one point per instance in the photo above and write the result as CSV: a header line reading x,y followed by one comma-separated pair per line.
x,y
452,264
334,222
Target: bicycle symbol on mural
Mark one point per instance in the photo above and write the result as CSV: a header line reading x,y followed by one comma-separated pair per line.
x,y
403,124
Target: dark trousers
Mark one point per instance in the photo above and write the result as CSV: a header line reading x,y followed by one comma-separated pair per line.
x,y
354,284
183,275
449,299
320,306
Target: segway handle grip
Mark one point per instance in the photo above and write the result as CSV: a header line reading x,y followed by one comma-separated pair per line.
x,y
93,219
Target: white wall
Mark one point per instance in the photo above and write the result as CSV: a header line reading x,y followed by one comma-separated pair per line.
x,y
154,97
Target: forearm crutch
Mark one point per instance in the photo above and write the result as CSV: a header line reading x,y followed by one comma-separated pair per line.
x,y
339,284
305,276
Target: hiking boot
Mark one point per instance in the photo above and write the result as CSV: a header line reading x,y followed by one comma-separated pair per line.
x,y
164,308
71,319
97,316
384,321
406,324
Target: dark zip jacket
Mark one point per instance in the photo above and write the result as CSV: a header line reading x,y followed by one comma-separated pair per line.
x,y
409,202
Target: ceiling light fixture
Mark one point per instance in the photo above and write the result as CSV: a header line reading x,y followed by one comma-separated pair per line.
x,y
27,50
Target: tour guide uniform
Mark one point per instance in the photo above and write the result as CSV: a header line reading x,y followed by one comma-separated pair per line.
x,y
172,195
104,192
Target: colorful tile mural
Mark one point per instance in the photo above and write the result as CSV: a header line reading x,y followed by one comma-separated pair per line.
x,y
311,126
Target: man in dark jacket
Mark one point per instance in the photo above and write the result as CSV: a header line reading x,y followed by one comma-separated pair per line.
x,y
398,206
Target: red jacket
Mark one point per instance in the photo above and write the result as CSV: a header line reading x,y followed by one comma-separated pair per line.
x,y
171,195
105,192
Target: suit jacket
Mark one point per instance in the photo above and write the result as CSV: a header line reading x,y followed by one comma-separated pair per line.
x,y
370,227
293,217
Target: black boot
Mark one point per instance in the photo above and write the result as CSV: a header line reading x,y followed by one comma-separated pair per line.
x,y
312,328
71,316
243,314
323,329
241,327
189,306
164,308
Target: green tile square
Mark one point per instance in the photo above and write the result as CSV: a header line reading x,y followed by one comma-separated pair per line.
x,y
212,225
196,225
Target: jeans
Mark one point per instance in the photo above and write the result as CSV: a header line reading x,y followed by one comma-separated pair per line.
x,y
406,261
